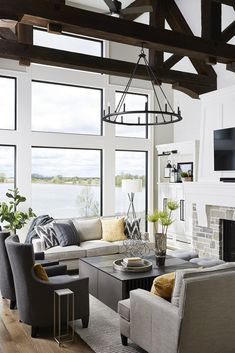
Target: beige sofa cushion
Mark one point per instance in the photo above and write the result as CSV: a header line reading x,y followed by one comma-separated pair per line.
x,y
65,253
180,275
99,247
89,229
113,229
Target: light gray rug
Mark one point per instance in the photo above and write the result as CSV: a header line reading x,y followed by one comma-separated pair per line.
x,y
103,334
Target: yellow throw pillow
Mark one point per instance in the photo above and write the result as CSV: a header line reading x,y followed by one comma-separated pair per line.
x,y
40,272
113,229
163,285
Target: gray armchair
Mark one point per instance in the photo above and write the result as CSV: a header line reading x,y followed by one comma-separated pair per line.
x,y
34,296
203,322
6,278
7,286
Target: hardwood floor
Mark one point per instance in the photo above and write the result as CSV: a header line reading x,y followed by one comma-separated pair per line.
x,y
15,337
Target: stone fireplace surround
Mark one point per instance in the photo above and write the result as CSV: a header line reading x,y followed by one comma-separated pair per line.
x,y
208,240
207,204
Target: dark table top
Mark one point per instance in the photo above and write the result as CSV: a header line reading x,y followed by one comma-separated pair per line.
x,y
105,264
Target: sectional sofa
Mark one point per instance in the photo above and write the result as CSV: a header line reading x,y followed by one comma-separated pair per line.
x,y
91,244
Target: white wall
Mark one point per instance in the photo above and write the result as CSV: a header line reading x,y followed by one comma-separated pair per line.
x,y
191,109
218,113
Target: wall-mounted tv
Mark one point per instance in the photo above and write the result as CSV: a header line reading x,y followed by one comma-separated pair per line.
x,y
224,149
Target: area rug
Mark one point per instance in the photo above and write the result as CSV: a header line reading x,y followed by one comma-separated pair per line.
x,y
103,334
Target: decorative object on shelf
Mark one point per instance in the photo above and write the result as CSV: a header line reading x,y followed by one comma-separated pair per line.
x,y
147,117
165,220
167,169
185,168
173,174
186,177
9,214
137,247
131,186
118,265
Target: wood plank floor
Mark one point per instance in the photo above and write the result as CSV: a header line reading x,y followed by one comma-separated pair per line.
x,y
15,337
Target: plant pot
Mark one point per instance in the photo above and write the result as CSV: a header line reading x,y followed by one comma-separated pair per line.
x,y
185,179
160,249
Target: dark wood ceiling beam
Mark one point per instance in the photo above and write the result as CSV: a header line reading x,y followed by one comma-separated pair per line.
x,y
157,20
178,23
171,61
24,35
55,57
136,3
101,26
228,33
211,18
6,33
231,67
227,2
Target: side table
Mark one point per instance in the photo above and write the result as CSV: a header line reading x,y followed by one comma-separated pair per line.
x,y
66,333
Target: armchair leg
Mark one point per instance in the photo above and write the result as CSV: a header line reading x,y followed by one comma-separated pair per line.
x,y
85,322
34,331
124,340
13,304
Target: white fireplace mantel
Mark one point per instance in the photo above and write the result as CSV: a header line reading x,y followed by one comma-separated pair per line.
x,y
205,193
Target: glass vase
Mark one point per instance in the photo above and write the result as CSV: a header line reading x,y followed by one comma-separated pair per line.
x,y
160,249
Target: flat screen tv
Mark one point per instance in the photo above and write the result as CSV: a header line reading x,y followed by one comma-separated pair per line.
x,y
224,149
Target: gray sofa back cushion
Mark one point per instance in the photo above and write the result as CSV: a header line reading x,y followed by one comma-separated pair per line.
x,y
89,229
66,233
180,275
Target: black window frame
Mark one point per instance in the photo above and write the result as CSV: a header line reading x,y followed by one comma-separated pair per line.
x,y
91,39
146,177
14,159
77,86
83,149
15,102
146,128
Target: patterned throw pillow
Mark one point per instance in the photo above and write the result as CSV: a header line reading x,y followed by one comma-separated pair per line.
x,y
132,228
47,234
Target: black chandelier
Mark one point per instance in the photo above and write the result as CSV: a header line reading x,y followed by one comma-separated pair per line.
x,y
145,117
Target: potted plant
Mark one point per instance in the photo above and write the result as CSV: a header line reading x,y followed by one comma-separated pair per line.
x,y
164,218
8,212
186,176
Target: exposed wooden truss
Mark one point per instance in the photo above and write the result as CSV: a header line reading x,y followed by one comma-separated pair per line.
x,y
57,17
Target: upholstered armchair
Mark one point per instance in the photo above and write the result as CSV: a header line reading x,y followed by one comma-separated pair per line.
x,y
7,286
6,278
34,296
203,321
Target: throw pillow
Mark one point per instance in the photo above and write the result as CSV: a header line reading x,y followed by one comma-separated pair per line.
x,y
48,234
66,233
88,229
163,285
40,272
132,228
113,229
180,275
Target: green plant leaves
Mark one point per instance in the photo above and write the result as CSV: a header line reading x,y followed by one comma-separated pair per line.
x,y
9,214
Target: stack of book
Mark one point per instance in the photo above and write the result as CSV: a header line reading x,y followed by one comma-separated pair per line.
x,y
133,262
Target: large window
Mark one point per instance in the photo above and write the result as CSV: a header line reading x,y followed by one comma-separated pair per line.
x,y
68,42
66,109
66,182
7,170
131,165
133,102
7,103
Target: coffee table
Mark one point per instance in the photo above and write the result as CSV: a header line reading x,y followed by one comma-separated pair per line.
x,y
109,285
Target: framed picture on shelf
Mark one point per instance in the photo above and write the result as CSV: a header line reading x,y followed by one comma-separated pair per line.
x,y
185,167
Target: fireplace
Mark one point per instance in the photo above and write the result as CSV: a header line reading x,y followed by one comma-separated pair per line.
x,y
228,239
